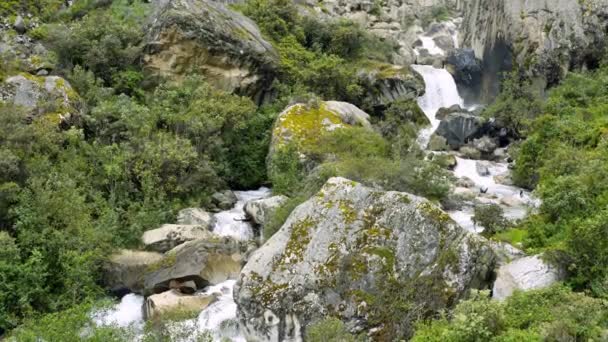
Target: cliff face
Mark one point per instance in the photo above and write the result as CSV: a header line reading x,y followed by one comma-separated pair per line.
x,y
547,38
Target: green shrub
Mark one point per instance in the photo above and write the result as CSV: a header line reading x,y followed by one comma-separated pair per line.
x,y
491,218
329,330
553,314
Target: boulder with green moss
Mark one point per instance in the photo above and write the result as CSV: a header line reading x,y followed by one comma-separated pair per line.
x,y
371,258
206,37
302,125
52,96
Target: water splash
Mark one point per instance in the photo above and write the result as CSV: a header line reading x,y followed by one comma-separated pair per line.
x,y
440,92
231,222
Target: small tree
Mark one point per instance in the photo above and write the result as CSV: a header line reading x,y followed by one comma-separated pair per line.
x,y
491,217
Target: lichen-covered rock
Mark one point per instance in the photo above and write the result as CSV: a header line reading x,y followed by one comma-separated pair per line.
x,y
525,274
459,128
544,37
208,261
170,235
195,216
174,302
349,251
261,210
302,125
206,37
52,96
124,271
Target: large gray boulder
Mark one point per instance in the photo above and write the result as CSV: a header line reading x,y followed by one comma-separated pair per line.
x,y
207,262
459,128
525,274
261,210
464,66
386,84
124,271
206,37
350,251
170,235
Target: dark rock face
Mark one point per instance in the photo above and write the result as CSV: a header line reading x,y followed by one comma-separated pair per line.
x,y
349,247
459,128
208,38
464,66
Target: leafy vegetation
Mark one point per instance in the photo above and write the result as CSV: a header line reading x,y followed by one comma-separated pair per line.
x,y
553,314
491,218
330,330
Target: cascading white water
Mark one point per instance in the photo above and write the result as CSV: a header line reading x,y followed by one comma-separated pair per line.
x,y
219,318
440,92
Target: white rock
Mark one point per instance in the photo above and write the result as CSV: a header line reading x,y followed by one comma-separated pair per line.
x,y
174,301
524,274
170,235
195,216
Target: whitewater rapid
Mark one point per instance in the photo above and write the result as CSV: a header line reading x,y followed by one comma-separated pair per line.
x,y
218,319
441,92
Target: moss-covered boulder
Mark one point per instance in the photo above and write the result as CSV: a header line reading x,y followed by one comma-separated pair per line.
x,y
371,258
206,37
52,96
300,126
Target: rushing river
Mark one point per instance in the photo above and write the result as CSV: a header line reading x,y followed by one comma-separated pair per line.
x,y
219,318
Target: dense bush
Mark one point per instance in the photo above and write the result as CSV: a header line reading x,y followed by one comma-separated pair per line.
x,y
553,314
491,218
564,157
330,330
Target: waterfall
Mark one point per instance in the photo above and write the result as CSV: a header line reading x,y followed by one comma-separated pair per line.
x,y
440,91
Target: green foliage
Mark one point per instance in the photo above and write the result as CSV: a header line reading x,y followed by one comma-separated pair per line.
x,y
329,330
553,314
491,218
42,8
280,215
106,41
516,106
564,157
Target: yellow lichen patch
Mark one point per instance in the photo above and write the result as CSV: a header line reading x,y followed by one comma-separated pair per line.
x,y
298,242
433,213
303,126
348,211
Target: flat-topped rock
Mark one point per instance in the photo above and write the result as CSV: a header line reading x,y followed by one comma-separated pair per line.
x,y
124,270
169,236
195,216
261,210
525,274
173,301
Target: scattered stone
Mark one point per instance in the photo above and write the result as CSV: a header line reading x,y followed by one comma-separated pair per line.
x,y
19,25
224,200
525,274
482,168
261,210
173,301
465,182
195,216
485,145
438,143
470,152
170,235
504,179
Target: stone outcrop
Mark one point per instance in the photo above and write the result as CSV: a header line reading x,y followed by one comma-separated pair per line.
x,y
525,274
170,235
205,261
124,272
349,247
173,301
223,200
50,95
459,128
261,210
545,37
389,83
206,37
